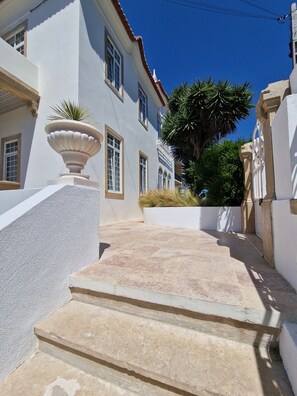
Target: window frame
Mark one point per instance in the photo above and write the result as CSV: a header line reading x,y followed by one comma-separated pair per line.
x,y
142,92
13,32
169,181
164,180
109,193
160,181
145,157
4,141
120,92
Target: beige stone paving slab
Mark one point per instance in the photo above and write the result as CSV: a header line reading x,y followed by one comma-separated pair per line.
x,y
211,266
44,375
180,357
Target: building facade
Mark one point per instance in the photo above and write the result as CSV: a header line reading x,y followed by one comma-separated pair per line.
x,y
84,51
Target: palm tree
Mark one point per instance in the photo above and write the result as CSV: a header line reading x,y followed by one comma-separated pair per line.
x,y
203,113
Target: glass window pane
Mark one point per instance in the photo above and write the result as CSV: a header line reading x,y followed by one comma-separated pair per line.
x,y
117,76
114,164
114,65
11,161
18,41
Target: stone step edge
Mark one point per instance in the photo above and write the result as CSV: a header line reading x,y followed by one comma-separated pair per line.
x,y
221,327
249,316
120,379
50,344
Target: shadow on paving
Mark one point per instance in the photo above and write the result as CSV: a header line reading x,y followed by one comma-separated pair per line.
x,y
273,290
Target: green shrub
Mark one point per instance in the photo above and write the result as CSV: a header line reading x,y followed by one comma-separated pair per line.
x,y
167,198
220,171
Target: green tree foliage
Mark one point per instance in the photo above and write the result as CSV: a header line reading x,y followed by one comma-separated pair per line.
x,y
220,171
203,113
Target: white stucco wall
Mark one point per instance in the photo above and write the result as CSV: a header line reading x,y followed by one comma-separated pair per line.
x,y
66,41
284,138
19,122
284,236
11,198
18,65
288,351
197,218
120,115
43,240
53,47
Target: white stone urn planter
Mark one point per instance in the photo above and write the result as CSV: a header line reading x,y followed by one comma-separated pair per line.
x,y
76,141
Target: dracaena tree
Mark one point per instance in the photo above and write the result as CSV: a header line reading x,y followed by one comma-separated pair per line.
x,y
202,113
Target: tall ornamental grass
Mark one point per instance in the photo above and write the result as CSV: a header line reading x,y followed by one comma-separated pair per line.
x,y
168,198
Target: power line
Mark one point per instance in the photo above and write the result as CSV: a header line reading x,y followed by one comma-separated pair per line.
x,y
259,6
219,10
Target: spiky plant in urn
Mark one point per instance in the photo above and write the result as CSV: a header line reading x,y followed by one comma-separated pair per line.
x,y
71,134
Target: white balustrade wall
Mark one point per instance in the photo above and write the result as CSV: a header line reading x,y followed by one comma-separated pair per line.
x,y
284,218
259,175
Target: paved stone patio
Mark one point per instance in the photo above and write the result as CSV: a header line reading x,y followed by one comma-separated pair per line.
x,y
204,267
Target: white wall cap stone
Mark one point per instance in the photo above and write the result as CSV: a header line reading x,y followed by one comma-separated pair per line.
x,y
71,180
19,210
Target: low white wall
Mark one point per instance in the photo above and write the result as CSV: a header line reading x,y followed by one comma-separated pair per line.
x,y
9,199
197,218
43,240
288,351
284,236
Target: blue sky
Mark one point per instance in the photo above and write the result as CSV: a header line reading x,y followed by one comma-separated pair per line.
x,y
184,44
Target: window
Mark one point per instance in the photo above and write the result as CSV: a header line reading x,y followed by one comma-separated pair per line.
x,y
160,177
113,66
165,179
16,39
10,149
159,125
169,182
114,165
142,106
142,173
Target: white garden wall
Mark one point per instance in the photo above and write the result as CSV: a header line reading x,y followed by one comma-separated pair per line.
x,y
43,240
197,218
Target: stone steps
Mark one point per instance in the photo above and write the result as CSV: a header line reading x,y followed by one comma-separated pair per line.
x,y
266,317
244,332
163,356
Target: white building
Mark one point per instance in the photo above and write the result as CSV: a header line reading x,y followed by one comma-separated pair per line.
x,y
85,51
